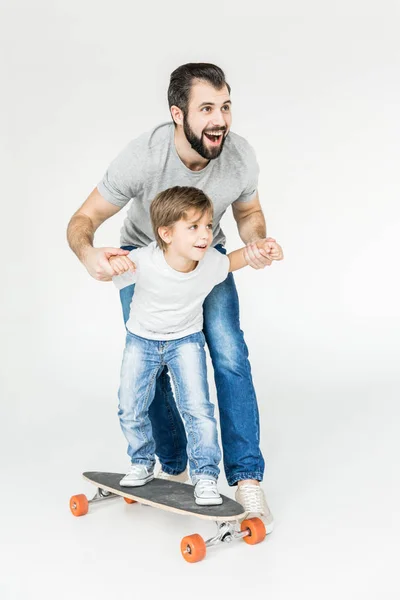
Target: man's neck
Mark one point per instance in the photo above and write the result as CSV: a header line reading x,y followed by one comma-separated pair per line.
x,y
190,158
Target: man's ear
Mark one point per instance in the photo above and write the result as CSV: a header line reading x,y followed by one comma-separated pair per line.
x,y
177,115
165,234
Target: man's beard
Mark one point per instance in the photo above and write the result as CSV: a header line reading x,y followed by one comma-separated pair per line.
x,y
198,145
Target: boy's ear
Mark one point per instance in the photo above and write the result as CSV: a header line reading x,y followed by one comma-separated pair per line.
x,y
165,234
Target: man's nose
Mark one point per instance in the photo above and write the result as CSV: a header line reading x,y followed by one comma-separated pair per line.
x,y
218,119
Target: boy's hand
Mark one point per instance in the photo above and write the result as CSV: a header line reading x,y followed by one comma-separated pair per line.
x,y
121,264
273,249
96,261
260,254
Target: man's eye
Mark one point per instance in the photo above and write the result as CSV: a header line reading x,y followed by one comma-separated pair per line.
x,y
206,108
226,108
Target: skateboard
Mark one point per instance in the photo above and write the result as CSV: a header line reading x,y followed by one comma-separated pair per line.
x,y
176,498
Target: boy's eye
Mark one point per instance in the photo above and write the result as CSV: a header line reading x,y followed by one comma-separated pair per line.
x,y
209,226
193,227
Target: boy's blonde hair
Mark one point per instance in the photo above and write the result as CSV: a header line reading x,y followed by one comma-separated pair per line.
x,y
173,204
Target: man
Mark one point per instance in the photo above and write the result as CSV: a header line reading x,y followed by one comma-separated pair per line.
x,y
197,150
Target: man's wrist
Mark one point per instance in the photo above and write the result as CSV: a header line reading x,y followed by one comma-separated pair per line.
x,y
254,238
84,253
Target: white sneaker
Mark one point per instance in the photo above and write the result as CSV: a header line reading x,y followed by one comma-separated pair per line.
x,y
138,475
181,477
206,493
252,498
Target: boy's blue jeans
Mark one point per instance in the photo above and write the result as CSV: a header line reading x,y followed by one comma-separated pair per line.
x,y
237,402
185,359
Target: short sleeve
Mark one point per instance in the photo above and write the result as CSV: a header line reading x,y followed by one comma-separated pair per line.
x,y
128,278
220,264
123,178
251,173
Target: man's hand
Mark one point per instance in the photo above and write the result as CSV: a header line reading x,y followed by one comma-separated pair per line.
x,y
261,253
96,261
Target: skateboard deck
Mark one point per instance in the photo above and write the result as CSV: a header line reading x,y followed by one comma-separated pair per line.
x,y
167,495
178,498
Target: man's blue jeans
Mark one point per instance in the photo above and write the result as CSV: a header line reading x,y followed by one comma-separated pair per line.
x,y
185,360
237,402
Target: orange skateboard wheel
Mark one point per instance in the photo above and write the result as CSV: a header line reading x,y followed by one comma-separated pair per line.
x,y
129,500
79,505
256,528
193,548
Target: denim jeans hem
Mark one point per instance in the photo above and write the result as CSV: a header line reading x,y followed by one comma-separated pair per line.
x,y
170,471
233,479
147,463
196,476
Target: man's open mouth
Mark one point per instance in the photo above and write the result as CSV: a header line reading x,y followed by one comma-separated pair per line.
x,y
214,136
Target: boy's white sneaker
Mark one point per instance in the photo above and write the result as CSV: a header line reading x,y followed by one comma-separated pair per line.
x,y
206,493
181,477
252,498
138,475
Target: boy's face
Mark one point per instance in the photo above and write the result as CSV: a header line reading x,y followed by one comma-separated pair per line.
x,y
191,237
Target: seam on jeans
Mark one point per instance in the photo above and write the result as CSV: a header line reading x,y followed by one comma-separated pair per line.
x,y
256,415
189,424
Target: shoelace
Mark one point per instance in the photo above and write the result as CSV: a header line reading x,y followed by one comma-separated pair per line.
x,y
252,498
136,470
208,486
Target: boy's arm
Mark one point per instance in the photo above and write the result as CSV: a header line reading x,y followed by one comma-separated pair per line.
x,y
236,260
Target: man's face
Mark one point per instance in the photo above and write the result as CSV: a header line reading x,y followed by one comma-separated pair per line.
x,y
208,120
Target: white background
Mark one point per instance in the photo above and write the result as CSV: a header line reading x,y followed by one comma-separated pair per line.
x,y
316,91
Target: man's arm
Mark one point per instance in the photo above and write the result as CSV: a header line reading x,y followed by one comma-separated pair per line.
x,y
251,226
80,234
250,220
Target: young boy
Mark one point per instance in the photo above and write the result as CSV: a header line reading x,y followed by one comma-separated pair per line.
x,y
173,276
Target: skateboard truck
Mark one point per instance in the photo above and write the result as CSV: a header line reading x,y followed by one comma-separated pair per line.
x,y
102,495
227,532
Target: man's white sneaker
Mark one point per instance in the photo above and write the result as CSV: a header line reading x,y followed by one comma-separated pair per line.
x,y
252,498
138,475
206,493
181,477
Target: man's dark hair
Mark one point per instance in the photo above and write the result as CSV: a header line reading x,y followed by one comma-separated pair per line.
x,y
182,78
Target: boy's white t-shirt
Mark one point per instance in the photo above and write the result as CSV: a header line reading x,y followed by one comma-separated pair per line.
x,y
168,304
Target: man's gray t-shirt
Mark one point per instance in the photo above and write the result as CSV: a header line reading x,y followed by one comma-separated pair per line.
x,y
150,164
168,304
